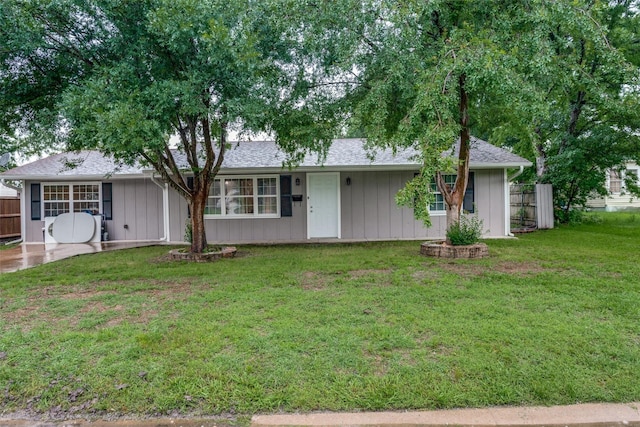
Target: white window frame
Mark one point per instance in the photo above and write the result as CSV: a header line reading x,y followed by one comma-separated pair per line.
x,y
436,193
220,181
71,200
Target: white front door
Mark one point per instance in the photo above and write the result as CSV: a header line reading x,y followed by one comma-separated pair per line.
x,y
323,205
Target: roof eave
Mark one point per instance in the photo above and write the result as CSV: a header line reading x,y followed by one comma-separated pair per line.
x,y
71,177
261,170
363,168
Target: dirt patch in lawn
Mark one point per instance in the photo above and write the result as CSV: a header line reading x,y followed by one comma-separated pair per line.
x,y
473,270
520,269
314,281
47,305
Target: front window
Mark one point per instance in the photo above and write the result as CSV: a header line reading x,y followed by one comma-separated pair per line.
x,y
63,198
243,197
56,199
439,206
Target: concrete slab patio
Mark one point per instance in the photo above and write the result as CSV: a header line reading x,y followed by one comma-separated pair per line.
x,y
29,255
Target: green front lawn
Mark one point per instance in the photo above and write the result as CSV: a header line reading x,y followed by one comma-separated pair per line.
x,y
551,318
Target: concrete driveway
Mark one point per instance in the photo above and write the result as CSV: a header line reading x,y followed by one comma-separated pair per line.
x,y
29,255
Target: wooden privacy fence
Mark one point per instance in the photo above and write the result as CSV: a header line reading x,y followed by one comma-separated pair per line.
x,y
9,217
531,207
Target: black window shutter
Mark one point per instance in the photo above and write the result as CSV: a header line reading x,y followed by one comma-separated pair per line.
x,y
107,200
35,202
468,204
286,205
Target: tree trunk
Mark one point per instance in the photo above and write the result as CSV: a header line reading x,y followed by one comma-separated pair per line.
x,y
453,216
198,235
541,154
454,197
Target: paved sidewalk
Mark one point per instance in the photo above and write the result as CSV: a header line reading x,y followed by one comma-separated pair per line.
x,y
584,415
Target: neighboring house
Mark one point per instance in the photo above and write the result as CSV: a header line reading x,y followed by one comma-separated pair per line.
x,y
619,197
7,192
254,199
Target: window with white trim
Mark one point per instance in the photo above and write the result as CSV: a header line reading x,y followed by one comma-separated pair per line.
x,y
61,198
244,197
439,206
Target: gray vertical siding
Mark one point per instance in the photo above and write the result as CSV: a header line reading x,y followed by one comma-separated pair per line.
x,y
490,200
177,216
33,229
136,203
368,211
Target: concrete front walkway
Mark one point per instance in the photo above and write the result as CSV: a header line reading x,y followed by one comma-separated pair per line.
x,y
29,255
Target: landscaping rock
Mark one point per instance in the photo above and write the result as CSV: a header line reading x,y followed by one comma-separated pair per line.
x,y
442,250
181,254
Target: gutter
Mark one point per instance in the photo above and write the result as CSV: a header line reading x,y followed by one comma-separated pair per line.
x,y
516,174
165,207
11,186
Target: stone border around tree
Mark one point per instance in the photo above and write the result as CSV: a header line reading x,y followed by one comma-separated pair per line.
x,y
442,250
181,254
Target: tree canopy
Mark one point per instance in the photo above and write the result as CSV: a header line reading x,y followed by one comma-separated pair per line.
x,y
588,91
124,76
557,80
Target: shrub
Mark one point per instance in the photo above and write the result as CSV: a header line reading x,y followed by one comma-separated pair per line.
x,y
467,231
573,216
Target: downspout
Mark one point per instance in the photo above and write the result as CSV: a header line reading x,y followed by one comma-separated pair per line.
x,y
515,175
165,208
23,211
507,198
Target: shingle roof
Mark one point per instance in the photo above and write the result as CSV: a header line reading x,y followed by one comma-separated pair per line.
x,y
258,155
71,165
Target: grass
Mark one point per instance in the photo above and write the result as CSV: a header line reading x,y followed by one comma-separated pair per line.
x,y
550,318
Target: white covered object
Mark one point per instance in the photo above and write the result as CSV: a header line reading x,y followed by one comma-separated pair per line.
x,y
72,227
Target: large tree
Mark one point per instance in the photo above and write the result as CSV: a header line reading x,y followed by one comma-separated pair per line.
x,y
589,88
125,76
428,73
593,123
423,71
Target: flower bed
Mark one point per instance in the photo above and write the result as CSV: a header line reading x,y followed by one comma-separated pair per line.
x,y
185,255
442,250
